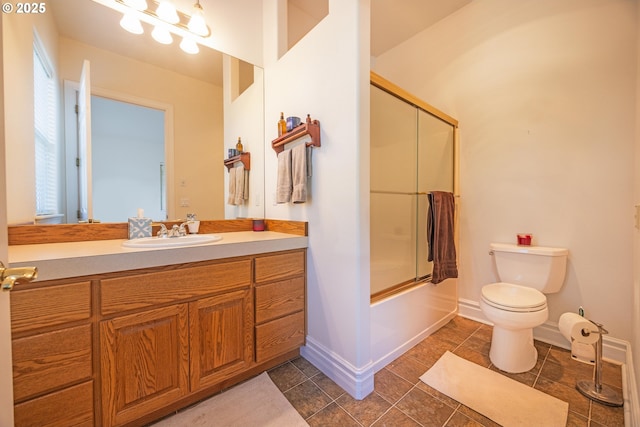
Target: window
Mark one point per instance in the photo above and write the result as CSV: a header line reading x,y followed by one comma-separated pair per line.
x,y
46,133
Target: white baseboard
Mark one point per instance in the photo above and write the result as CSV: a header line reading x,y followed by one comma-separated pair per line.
x,y
613,349
406,346
357,382
630,391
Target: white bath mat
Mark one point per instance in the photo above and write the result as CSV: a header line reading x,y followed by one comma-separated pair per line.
x,y
255,403
503,400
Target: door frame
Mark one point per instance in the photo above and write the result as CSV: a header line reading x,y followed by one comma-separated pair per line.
x,y
6,368
71,137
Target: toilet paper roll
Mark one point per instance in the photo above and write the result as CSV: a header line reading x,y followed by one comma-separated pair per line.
x,y
576,328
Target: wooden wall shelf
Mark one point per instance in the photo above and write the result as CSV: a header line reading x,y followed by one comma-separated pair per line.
x,y
311,127
244,157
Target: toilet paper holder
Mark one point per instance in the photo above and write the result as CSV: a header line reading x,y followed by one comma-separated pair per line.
x,y
594,389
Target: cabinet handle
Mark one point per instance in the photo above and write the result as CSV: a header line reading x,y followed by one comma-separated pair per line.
x,y
11,276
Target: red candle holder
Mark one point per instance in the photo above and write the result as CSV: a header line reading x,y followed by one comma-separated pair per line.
x,y
258,225
524,239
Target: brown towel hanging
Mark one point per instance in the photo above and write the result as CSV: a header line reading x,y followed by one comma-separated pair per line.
x,y
440,235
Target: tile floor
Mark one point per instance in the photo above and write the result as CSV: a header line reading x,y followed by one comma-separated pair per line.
x,y
400,399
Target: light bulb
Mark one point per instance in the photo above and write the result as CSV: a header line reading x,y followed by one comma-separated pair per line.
x,y
189,46
161,35
131,23
167,12
137,4
197,25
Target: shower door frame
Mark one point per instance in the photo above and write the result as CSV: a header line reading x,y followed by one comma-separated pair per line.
x,y
396,91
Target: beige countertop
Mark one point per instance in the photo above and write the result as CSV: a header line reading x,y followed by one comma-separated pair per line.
x,y
60,260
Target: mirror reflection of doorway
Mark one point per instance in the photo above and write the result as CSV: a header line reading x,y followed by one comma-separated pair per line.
x,y
128,167
127,157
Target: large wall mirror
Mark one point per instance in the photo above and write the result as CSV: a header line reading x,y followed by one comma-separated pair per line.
x,y
161,120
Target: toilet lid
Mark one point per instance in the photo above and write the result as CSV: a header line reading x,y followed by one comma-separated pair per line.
x,y
513,297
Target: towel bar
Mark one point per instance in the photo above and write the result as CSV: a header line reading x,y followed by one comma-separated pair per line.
x,y
310,127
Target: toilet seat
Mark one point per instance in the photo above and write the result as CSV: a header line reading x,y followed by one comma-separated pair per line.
x,y
516,298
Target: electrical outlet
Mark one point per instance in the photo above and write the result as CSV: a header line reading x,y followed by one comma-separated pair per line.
x,y
184,202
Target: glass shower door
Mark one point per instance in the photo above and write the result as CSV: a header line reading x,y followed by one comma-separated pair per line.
x,y
411,155
435,173
393,187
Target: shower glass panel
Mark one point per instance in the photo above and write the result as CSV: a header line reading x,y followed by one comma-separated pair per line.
x,y
411,155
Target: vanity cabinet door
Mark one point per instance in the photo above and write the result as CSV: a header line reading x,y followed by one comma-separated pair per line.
x,y
144,362
221,329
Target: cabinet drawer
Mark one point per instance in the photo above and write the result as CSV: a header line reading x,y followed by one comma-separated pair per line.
x,y
71,407
35,308
278,299
145,290
276,267
48,361
279,336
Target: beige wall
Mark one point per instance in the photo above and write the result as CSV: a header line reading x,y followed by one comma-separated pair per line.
x,y
545,95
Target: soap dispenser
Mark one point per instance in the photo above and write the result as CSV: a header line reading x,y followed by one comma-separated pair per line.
x,y
193,223
239,146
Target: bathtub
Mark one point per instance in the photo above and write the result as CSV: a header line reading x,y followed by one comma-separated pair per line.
x,y
403,320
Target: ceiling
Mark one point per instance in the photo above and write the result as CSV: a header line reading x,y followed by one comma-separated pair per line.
x,y
395,21
392,22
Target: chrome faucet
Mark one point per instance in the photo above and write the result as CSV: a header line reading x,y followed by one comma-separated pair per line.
x,y
176,231
163,233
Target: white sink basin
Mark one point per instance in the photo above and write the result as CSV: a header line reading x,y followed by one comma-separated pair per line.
x,y
171,242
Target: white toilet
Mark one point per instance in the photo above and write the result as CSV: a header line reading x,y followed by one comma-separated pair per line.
x,y
517,304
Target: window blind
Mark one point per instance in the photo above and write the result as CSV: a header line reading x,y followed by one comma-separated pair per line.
x,y
46,141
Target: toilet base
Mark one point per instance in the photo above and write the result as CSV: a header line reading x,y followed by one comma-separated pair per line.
x,y
513,350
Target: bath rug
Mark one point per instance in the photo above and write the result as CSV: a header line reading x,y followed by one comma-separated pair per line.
x,y
499,398
257,402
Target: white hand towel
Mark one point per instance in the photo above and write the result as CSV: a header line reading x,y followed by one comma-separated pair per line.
x,y
231,199
299,173
239,195
284,185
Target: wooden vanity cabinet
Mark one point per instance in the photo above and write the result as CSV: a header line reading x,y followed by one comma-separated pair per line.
x,y
280,302
52,335
128,347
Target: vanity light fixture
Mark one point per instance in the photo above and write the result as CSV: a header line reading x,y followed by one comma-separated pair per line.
x,y
136,4
167,12
161,35
189,46
196,23
174,21
130,23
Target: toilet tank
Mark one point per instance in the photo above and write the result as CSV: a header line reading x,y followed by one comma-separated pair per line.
x,y
538,267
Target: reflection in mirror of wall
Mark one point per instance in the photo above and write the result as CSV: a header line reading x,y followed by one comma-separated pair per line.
x,y
192,85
